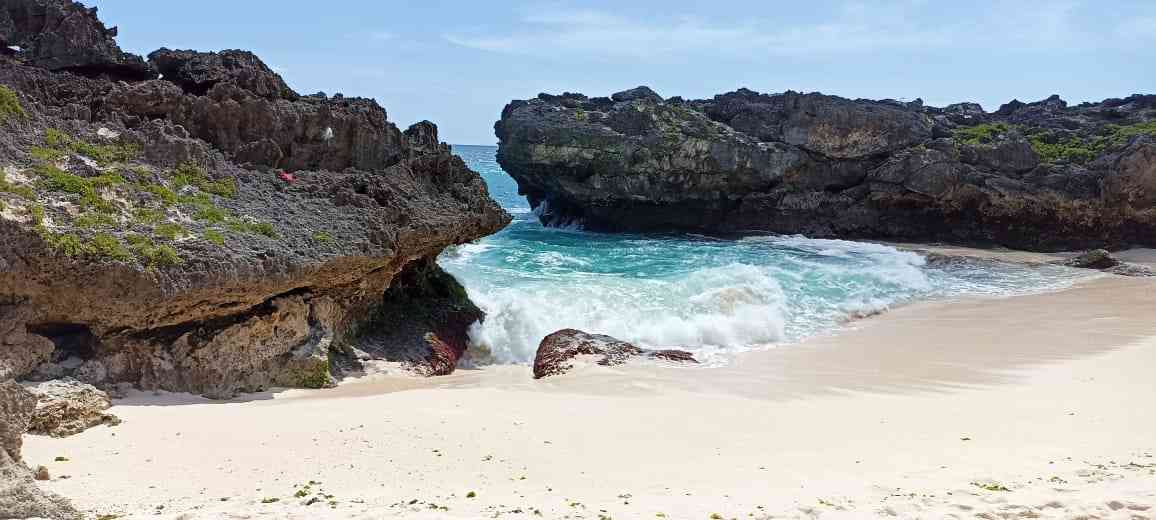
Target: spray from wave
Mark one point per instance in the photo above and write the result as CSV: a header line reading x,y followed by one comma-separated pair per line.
x,y
702,294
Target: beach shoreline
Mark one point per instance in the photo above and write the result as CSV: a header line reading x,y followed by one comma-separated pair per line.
x,y
927,411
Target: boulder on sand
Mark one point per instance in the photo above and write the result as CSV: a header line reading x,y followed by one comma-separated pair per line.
x,y
19,496
556,350
67,407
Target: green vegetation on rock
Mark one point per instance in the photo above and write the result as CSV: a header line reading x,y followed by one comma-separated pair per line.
x,y
214,236
982,134
152,254
189,174
1070,149
103,154
24,192
1121,134
316,377
170,230
107,246
9,104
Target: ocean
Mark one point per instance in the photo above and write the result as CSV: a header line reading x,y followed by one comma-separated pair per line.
x,y
707,295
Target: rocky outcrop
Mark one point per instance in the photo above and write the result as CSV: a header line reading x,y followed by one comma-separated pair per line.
x,y
62,35
556,351
198,72
1040,176
68,407
19,496
212,231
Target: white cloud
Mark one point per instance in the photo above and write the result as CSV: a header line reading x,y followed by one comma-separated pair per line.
x,y
382,36
854,27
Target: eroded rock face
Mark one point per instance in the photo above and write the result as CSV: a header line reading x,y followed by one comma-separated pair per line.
x,y
68,407
215,242
197,72
556,351
19,496
62,35
1040,176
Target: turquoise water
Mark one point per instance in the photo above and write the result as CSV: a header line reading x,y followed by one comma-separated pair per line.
x,y
707,295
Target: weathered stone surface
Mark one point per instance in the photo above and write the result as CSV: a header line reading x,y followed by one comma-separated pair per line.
x,y
19,496
62,35
20,351
1094,259
1041,176
197,72
68,407
172,251
1102,260
556,351
423,321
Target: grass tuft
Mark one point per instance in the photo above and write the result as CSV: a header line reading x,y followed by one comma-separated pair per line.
x,y
9,104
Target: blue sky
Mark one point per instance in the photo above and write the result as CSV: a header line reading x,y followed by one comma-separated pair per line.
x,y
458,63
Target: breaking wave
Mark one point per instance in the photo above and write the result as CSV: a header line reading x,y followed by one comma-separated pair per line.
x,y
702,294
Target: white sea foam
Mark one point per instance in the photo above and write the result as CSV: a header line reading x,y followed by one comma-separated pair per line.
x,y
710,310
705,294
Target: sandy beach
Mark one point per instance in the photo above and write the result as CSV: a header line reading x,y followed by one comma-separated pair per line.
x,y
1028,407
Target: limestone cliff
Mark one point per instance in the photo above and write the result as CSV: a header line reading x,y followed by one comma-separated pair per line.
x,y
210,230
1041,176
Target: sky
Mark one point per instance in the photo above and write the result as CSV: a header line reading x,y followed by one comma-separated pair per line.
x,y
457,63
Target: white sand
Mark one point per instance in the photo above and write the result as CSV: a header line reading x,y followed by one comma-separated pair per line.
x,y
1049,396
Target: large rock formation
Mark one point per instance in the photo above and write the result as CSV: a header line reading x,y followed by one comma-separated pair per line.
x,y
556,352
19,496
1040,176
211,231
62,35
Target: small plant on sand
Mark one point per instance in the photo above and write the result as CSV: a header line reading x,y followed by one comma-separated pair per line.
x,y
471,494
9,104
990,486
270,500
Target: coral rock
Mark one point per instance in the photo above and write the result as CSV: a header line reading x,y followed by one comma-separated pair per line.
x,y
557,350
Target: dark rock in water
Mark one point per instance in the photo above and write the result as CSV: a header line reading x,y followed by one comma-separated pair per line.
x,y
1102,260
1038,176
68,407
62,35
19,495
149,233
1094,259
556,350
198,72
